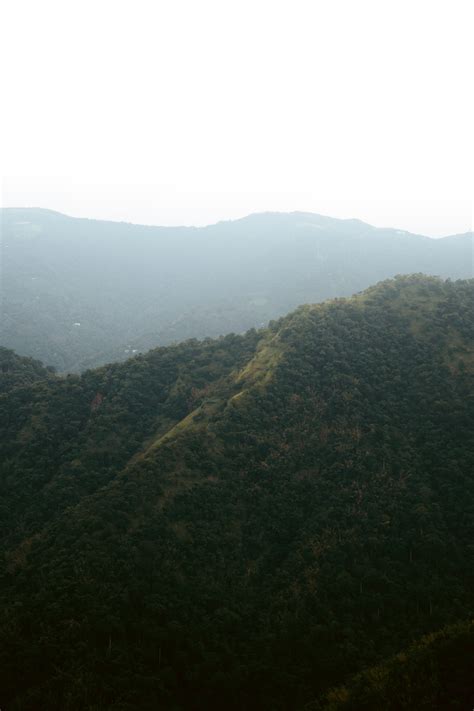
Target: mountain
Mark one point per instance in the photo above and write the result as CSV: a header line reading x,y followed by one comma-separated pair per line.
x,y
78,293
246,522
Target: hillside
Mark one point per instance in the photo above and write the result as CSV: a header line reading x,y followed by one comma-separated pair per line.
x,y
437,672
77,293
246,522
16,371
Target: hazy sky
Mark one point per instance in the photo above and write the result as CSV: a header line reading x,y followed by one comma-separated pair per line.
x,y
187,112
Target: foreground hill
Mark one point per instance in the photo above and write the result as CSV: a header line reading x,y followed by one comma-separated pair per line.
x,y
77,293
242,523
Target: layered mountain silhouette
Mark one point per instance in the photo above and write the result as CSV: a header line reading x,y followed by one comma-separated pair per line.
x,y
249,522
77,293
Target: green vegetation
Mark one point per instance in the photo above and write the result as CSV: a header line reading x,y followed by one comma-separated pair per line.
x,y
248,522
16,371
79,293
435,673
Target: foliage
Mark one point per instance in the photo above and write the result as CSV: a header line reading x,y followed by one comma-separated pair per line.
x,y
437,672
242,523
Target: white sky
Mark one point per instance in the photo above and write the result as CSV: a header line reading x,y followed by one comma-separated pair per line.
x,y
187,112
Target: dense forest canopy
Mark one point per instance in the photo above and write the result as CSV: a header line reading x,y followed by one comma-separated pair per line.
x,y
250,522
436,672
78,293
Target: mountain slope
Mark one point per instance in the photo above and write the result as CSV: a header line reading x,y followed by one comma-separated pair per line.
x,y
242,523
437,672
16,371
78,293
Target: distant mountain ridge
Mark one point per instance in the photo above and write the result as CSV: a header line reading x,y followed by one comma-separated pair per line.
x,y
77,292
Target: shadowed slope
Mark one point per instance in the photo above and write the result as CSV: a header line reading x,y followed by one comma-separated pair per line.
x,y
243,523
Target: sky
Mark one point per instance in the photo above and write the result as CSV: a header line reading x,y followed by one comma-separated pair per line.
x,y
193,111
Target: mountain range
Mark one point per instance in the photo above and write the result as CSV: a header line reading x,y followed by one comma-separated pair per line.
x,y
77,293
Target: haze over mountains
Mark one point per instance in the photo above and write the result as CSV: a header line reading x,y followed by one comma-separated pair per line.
x,y
245,523
280,518
77,293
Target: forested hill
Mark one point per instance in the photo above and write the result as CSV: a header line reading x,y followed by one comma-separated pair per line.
x,y
77,293
16,371
247,522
